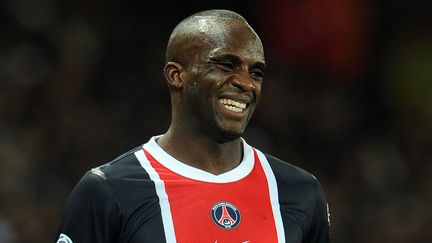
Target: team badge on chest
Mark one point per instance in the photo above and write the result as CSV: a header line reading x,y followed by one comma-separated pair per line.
x,y
225,215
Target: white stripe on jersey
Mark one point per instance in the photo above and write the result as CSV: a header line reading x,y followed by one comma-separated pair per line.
x,y
274,196
163,197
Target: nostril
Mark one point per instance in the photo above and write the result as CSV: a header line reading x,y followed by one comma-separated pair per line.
x,y
245,83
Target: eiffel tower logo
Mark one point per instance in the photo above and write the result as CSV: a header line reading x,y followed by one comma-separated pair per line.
x,y
225,215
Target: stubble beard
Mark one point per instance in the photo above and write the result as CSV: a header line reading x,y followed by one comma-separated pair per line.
x,y
207,121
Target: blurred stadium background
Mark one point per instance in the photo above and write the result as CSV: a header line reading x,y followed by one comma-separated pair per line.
x,y
348,96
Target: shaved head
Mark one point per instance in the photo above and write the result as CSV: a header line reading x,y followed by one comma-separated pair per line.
x,y
206,28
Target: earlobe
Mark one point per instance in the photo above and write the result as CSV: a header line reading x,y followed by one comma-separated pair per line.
x,y
173,74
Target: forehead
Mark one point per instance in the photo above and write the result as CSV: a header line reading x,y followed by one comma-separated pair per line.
x,y
227,35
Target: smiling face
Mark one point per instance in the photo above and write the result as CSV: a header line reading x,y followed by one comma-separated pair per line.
x,y
223,74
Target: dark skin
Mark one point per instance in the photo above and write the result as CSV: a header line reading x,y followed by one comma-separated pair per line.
x,y
223,60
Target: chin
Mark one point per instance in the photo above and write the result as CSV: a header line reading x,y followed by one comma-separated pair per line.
x,y
223,130
226,135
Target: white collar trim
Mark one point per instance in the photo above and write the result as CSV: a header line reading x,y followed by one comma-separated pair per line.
x,y
238,173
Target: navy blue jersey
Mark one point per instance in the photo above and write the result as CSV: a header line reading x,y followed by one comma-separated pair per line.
x,y
146,195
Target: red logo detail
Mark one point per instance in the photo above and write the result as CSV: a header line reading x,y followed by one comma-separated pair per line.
x,y
225,218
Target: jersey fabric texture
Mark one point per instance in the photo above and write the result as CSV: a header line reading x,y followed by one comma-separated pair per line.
x,y
146,195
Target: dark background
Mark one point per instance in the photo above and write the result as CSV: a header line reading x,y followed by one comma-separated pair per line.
x,y
347,96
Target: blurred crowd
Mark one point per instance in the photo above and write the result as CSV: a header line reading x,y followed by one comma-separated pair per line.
x,y
347,96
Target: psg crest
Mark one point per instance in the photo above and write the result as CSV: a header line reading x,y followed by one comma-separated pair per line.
x,y
225,215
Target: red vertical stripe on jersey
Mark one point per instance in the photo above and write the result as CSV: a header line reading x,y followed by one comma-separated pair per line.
x,y
191,202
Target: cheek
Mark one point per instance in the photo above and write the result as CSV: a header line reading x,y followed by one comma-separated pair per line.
x,y
214,76
200,96
210,85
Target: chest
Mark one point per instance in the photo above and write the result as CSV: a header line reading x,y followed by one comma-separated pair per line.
x,y
239,211
189,210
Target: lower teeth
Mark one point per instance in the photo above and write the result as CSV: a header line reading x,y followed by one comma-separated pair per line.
x,y
233,108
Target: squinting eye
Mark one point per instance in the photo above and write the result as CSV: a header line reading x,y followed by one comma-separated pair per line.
x,y
226,66
258,74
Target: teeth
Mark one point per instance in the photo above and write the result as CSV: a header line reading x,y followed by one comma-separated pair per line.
x,y
233,105
231,102
233,108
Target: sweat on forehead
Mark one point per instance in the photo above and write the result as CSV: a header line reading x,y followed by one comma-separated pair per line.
x,y
199,28
209,27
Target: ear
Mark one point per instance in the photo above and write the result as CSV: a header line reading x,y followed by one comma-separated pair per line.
x,y
174,74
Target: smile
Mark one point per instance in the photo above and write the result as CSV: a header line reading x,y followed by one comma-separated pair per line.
x,y
233,105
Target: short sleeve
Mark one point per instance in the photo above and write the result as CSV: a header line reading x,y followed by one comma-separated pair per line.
x,y
319,231
92,213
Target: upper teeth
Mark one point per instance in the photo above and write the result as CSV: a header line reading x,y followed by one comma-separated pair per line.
x,y
233,105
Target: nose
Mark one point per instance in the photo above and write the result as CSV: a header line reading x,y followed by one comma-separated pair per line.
x,y
243,81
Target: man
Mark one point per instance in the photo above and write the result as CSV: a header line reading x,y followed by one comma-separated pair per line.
x,y
200,181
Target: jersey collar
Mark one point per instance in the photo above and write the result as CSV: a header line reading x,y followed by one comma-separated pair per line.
x,y
239,172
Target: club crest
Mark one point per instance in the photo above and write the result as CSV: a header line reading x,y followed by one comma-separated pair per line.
x,y
225,215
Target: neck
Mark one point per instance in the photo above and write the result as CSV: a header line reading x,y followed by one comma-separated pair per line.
x,y
201,151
